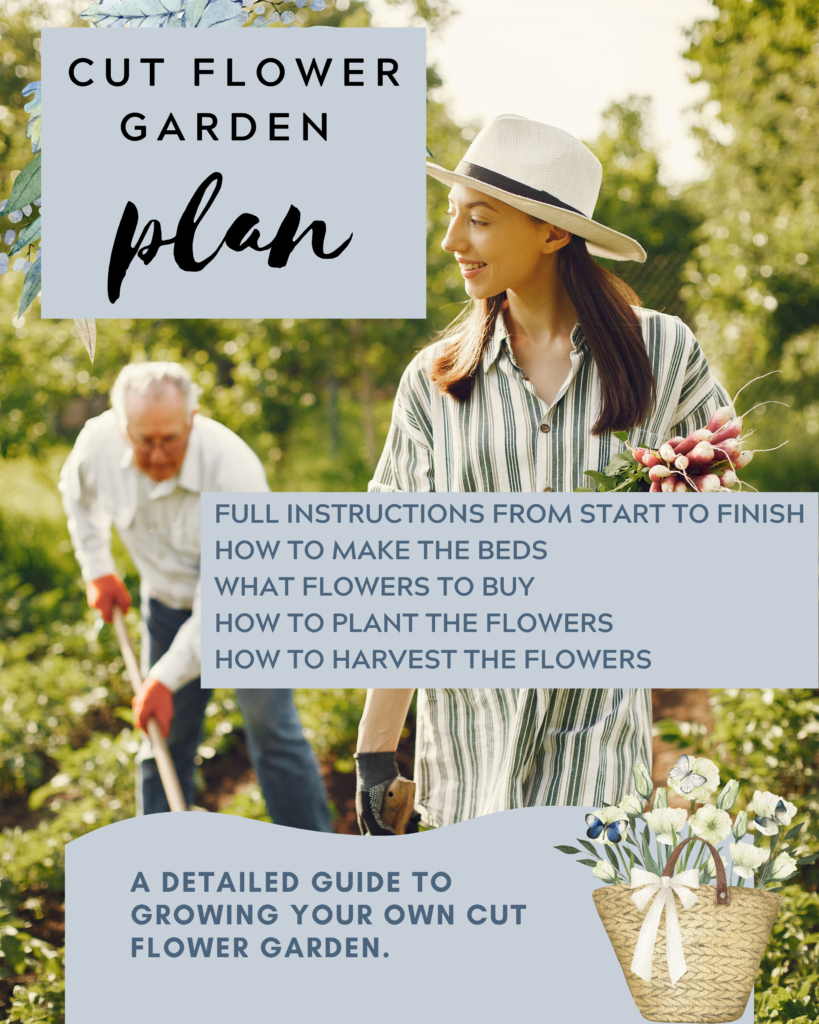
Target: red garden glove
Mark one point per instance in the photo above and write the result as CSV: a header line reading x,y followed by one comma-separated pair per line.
x,y
154,700
106,591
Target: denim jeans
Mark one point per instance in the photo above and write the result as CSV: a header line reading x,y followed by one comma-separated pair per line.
x,y
285,765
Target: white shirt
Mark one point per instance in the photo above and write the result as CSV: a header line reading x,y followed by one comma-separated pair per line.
x,y
158,522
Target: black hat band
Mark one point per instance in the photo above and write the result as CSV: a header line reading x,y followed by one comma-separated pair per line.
x,y
517,188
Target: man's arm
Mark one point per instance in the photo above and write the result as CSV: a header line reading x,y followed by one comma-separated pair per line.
x,y
89,527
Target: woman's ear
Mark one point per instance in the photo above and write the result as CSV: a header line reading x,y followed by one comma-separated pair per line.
x,y
555,238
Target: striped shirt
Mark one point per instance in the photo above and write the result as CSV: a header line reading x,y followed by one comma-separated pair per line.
x,y
479,751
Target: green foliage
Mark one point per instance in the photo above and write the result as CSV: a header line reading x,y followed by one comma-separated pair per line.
x,y
633,200
753,285
330,719
769,739
622,473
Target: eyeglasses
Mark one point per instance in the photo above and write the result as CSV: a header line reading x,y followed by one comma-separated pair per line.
x,y
167,445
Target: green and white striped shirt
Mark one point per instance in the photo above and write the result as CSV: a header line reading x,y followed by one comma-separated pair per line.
x,y
479,751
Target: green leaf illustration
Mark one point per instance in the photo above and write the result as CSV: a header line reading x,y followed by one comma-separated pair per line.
x,y
193,12
567,849
87,330
30,233
31,285
135,14
32,108
222,14
27,186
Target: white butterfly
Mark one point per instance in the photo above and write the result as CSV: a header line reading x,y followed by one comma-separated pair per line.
x,y
688,780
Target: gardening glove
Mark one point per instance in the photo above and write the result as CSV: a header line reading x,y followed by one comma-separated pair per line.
x,y
106,591
374,773
154,700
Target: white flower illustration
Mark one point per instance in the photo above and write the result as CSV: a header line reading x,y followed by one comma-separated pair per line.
x,y
783,867
747,858
602,869
663,820
632,804
711,824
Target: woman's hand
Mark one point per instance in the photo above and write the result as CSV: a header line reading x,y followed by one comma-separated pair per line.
x,y
374,772
385,712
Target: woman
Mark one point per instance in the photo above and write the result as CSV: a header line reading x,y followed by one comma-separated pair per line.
x,y
523,393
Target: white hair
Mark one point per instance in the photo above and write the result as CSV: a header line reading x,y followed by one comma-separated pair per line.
x,y
147,377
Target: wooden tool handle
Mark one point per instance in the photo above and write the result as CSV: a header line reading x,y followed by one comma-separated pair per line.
x,y
164,761
398,805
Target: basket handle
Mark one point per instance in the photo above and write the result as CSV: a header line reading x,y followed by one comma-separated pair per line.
x,y
723,892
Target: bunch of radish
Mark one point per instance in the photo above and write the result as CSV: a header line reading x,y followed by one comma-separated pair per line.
x,y
707,460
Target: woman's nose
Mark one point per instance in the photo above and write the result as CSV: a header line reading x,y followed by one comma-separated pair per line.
x,y
453,239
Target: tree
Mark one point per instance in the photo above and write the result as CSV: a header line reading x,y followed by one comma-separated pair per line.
x,y
753,281
633,200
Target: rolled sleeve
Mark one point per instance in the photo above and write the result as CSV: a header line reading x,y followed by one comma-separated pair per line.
x,y
407,462
181,663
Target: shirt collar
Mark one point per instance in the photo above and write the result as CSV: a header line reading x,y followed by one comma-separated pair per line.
x,y
500,341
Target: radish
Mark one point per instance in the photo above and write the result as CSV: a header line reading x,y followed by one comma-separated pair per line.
x,y
655,487
650,460
658,472
730,448
668,484
681,487
707,483
729,478
675,440
681,462
638,454
667,452
743,459
703,434
730,430
701,453
685,446
721,417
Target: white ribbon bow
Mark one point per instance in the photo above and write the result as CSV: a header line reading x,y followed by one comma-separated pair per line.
x,y
663,889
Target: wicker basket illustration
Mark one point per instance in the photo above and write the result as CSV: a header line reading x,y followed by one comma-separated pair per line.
x,y
723,936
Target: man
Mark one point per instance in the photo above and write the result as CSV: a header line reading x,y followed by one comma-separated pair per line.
x,y
142,466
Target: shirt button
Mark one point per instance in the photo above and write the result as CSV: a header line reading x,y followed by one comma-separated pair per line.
x,y
545,428
523,375
548,488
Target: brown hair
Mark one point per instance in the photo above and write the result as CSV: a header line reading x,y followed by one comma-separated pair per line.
x,y
603,304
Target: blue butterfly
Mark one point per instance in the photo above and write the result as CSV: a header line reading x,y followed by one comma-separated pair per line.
x,y
687,779
614,829
777,821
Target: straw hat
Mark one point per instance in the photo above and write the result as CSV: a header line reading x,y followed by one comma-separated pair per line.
x,y
542,171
